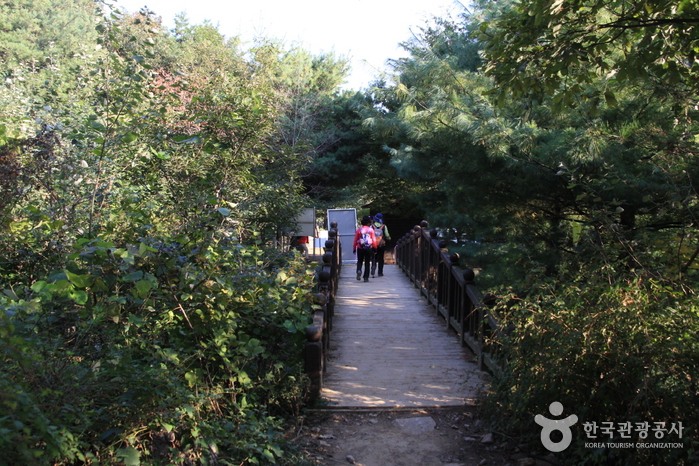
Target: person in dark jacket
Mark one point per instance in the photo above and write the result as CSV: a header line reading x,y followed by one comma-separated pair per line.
x,y
382,236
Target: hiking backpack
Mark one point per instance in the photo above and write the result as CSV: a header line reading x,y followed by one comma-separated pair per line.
x,y
365,238
378,233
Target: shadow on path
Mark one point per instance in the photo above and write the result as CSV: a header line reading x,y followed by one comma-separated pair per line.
x,y
389,348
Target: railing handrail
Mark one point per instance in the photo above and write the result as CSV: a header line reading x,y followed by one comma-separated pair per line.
x,y
318,334
427,262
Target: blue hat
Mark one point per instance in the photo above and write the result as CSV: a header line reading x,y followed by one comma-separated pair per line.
x,y
378,217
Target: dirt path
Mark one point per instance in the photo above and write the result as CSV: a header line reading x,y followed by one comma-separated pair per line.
x,y
415,437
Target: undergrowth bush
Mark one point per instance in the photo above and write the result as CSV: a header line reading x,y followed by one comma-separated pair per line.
x,y
169,351
145,317
608,352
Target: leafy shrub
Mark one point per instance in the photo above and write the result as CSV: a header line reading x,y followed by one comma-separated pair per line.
x,y
185,353
608,352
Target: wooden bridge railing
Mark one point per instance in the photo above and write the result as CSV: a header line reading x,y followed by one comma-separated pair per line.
x,y
451,290
318,334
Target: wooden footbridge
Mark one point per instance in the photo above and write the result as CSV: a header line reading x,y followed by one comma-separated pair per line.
x,y
416,337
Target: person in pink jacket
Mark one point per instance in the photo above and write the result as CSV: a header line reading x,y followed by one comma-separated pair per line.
x,y
364,247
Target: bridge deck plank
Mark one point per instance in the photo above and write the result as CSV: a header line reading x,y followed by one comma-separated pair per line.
x,y
389,348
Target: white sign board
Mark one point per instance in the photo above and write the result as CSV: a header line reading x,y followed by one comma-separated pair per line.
x,y
306,223
346,226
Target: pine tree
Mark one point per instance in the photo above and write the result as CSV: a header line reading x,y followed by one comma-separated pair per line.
x,y
41,32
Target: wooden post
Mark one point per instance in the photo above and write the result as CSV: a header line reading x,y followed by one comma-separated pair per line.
x,y
314,360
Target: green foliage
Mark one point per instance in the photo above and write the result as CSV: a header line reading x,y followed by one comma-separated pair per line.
x,y
201,340
43,33
533,175
560,48
146,316
620,353
566,167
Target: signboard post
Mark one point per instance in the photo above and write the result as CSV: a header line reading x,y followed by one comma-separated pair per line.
x,y
307,225
346,226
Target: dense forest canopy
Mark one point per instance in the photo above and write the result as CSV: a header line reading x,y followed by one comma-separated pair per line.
x,y
147,176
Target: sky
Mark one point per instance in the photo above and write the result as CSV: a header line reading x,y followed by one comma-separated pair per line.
x,y
368,32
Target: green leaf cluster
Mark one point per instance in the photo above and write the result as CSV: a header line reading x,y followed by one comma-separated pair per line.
x,y
198,343
608,353
561,48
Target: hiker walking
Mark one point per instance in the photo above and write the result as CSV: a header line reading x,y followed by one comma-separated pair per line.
x,y
381,234
300,243
364,247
